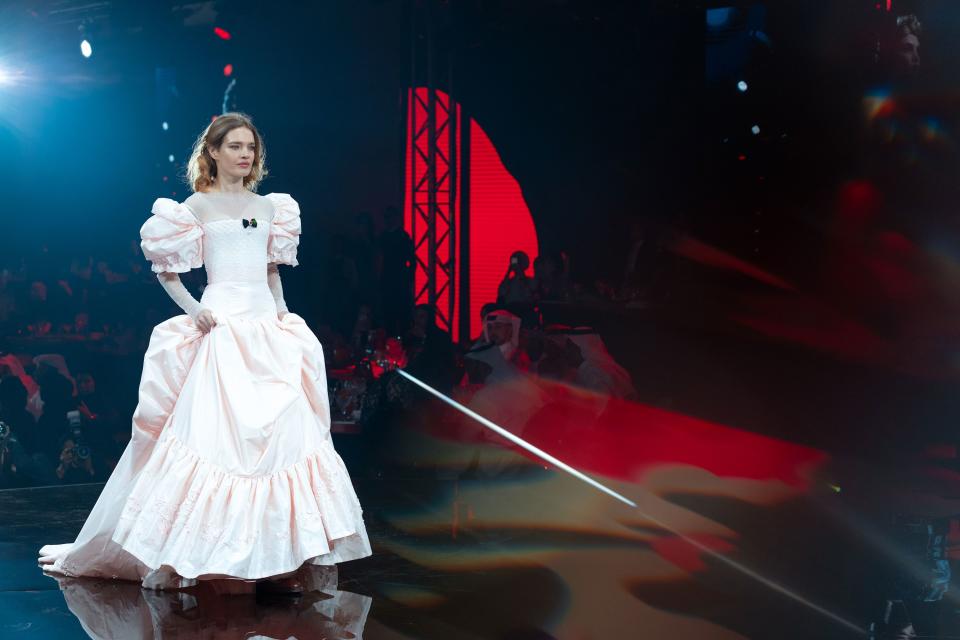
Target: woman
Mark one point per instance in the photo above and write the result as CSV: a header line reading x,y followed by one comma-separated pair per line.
x,y
231,471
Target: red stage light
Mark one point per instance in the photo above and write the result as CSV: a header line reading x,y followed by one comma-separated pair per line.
x,y
223,34
500,222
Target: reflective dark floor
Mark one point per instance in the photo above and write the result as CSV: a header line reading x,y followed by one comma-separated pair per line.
x,y
738,560
738,532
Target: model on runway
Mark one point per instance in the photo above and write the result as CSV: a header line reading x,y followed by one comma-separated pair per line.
x,y
231,472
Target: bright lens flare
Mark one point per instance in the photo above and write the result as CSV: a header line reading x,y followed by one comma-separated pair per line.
x,y
518,441
546,456
9,77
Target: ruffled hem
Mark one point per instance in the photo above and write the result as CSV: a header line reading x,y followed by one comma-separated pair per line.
x,y
189,514
175,264
287,256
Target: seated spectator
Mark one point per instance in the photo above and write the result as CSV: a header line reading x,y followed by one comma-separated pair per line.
x,y
81,323
497,385
18,468
482,338
550,279
560,358
55,361
396,266
12,364
430,353
89,401
57,395
502,330
580,357
497,357
13,411
362,327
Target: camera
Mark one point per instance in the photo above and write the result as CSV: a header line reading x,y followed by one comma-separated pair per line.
x,y
80,451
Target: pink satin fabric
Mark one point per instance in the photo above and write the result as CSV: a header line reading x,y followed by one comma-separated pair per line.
x,y
231,471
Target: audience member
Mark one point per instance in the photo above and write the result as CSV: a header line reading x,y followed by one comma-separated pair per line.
x,y
57,394
430,353
13,411
397,268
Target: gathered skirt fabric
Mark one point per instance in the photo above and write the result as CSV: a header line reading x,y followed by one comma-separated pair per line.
x,y
231,470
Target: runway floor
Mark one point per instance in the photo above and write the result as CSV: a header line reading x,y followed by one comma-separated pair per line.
x,y
739,531
782,574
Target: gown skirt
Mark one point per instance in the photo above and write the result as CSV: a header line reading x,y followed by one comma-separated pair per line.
x,y
231,470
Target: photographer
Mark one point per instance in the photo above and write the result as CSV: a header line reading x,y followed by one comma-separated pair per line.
x,y
517,291
76,461
516,288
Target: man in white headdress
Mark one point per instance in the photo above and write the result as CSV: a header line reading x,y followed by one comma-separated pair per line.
x,y
502,329
508,395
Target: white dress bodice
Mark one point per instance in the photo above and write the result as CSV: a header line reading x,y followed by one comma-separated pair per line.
x,y
232,252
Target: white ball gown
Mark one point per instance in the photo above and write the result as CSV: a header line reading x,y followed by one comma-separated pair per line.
x,y
231,470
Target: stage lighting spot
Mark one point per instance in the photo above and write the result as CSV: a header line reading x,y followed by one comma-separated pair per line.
x,y
165,126
228,70
742,86
170,157
223,34
86,49
756,130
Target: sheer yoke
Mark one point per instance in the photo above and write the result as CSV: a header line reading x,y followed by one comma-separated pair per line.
x,y
210,207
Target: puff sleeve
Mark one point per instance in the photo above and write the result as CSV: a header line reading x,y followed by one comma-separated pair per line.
x,y
284,230
172,238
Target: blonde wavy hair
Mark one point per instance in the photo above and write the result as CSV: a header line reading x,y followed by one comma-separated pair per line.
x,y
202,168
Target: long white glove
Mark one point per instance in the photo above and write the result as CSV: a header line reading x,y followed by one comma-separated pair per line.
x,y
273,281
178,293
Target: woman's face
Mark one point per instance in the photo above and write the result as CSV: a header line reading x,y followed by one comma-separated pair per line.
x,y
235,156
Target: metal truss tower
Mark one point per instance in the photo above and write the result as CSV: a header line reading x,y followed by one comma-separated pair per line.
x,y
432,163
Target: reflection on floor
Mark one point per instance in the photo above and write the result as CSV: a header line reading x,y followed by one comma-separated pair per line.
x,y
475,540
